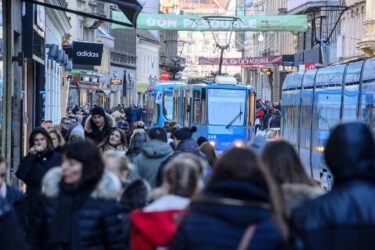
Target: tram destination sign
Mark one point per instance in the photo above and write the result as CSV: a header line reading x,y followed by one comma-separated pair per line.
x,y
294,23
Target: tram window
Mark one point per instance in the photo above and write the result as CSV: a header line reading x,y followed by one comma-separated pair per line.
x,y
178,110
252,109
204,110
248,108
156,114
368,104
187,107
167,105
150,107
196,106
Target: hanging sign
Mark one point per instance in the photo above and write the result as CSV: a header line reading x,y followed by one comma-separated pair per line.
x,y
86,53
294,23
244,62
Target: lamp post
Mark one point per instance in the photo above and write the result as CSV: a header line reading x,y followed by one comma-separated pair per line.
x,y
176,59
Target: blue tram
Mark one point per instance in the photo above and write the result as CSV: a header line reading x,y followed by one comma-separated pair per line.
x,y
223,112
314,102
160,101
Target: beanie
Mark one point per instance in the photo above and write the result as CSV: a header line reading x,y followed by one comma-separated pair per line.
x,y
78,130
98,111
184,133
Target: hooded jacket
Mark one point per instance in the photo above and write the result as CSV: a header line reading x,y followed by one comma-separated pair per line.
x,y
343,218
155,225
91,131
154,153
221,226
97,224
33,166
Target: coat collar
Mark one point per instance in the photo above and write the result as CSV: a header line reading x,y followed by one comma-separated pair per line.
x,y
108,187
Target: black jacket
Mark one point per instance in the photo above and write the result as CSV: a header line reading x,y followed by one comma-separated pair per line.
x,y
343,218
96,225
92,132
215,225
33,167
11,236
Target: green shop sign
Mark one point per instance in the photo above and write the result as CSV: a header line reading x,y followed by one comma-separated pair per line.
x,y
294,23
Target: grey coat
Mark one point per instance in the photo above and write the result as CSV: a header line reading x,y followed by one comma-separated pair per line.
x,y
154,153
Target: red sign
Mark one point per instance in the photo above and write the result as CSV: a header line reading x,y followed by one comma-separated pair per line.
x,y
164,76
244,62
310,66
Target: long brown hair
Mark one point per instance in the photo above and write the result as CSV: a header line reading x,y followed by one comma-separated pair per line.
x,y
242,164
122,135
285,166
207,149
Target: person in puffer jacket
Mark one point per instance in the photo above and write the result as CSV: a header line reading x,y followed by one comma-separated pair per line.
x,y
154,226
78,207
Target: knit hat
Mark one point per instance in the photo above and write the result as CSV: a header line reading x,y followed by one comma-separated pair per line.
x,y
184,133
77,130
98,111
258,144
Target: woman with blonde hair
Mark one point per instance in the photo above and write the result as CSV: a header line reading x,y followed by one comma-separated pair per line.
x,y
57,139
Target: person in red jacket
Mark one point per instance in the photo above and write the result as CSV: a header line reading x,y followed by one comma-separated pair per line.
x,y
155,225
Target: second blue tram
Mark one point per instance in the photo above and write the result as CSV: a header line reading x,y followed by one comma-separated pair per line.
x,y
314,102
223,112
160,102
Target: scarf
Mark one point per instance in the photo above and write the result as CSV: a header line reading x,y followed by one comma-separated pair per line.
x,y
71,198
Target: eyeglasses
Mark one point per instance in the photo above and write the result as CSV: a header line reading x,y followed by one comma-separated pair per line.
x,y
2,176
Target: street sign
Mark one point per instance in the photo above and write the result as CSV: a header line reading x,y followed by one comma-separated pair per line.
x,y
164,76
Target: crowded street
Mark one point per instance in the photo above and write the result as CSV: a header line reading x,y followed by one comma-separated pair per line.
x,y
187,124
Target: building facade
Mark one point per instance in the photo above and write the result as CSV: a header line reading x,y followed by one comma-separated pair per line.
x,y
57,29
147,63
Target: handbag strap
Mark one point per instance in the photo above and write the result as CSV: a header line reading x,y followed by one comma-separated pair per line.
x,y
246,237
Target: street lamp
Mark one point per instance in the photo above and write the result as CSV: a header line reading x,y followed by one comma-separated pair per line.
x,y
176,59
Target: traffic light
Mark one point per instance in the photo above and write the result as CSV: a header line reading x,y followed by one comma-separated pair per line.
x,y
131,9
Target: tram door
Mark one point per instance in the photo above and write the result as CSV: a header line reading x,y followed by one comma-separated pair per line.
x,y
177,106
187,108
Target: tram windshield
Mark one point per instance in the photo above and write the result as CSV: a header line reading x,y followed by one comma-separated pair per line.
x,y
224,105
168,105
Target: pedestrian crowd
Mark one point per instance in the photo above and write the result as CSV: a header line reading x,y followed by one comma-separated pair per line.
x,y
268,118
100,182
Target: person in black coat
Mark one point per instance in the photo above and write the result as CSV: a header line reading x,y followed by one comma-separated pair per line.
x,y
11,236
99,125
78,207
38,161
237,197
343,218
33,166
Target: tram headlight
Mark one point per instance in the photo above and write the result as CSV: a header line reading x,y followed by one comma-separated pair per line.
x,y
320,149
238,144
213,143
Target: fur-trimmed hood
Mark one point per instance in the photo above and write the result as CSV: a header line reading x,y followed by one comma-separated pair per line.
x,y
109,120
295,194
108,188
